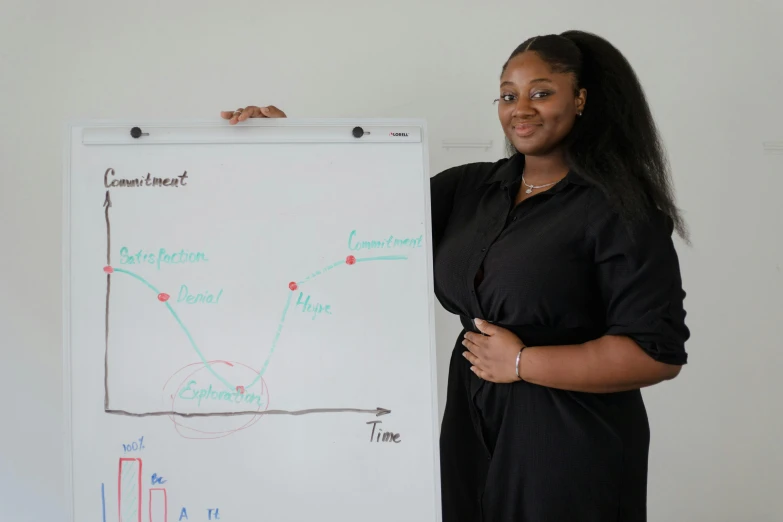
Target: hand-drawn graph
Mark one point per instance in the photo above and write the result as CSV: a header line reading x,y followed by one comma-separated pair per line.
x,y
242,389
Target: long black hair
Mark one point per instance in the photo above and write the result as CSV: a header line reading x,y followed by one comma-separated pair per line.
x,y
615,143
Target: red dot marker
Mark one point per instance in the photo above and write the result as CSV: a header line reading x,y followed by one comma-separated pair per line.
x,y
350,260
241,390
163,297
108,269
293,286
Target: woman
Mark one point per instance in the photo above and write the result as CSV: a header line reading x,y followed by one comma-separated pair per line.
x,y
560,263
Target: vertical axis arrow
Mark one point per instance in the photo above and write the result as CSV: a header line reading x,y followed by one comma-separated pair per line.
x,y
107,206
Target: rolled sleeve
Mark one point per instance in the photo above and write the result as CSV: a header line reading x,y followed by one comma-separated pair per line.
x,y
640,282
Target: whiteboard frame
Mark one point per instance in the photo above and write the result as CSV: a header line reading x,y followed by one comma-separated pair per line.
x,y
218,123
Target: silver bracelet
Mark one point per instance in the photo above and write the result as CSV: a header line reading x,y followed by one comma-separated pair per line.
x,y
519,356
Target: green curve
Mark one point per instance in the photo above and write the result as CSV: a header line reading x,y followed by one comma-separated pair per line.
x,y
279,328
181,324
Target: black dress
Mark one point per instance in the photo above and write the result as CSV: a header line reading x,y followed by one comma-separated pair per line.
x,y
559,268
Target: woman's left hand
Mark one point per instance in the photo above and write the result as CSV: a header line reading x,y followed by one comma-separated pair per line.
x,y
493,355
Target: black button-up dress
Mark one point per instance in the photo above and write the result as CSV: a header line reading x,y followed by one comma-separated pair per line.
x,y
559,268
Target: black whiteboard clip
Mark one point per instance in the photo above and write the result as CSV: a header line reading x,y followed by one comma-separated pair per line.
x,y
136,132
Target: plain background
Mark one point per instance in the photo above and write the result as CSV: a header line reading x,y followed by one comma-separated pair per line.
x,y
712,71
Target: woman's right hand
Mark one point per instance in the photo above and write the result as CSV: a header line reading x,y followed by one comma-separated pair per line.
x,y
252,111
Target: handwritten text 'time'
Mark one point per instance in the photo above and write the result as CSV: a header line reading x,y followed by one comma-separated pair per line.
x,y
378,435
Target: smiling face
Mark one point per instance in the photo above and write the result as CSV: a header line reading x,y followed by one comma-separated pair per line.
x,y
537,106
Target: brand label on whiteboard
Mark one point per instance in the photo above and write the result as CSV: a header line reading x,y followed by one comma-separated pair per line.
x,y
401,134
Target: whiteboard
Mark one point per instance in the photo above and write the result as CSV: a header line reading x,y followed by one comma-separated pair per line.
x,y
249,326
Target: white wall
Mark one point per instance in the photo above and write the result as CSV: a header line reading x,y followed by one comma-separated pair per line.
x,y
714,78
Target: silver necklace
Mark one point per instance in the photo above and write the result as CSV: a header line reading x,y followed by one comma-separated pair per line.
x,y
531,188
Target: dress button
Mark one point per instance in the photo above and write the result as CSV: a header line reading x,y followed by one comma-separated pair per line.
x,y
483,249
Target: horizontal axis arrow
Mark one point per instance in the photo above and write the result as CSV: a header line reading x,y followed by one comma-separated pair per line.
x,y
377,411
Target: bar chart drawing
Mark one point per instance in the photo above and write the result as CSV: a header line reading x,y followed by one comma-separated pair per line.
x,y
129,490
131,495
159,505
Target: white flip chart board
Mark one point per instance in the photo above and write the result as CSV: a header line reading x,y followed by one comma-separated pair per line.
x,y
249,329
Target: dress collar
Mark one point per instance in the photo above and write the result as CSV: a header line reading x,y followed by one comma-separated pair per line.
x,y
511,171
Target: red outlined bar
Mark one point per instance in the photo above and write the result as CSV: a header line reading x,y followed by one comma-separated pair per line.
x,y
129,490
159,507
